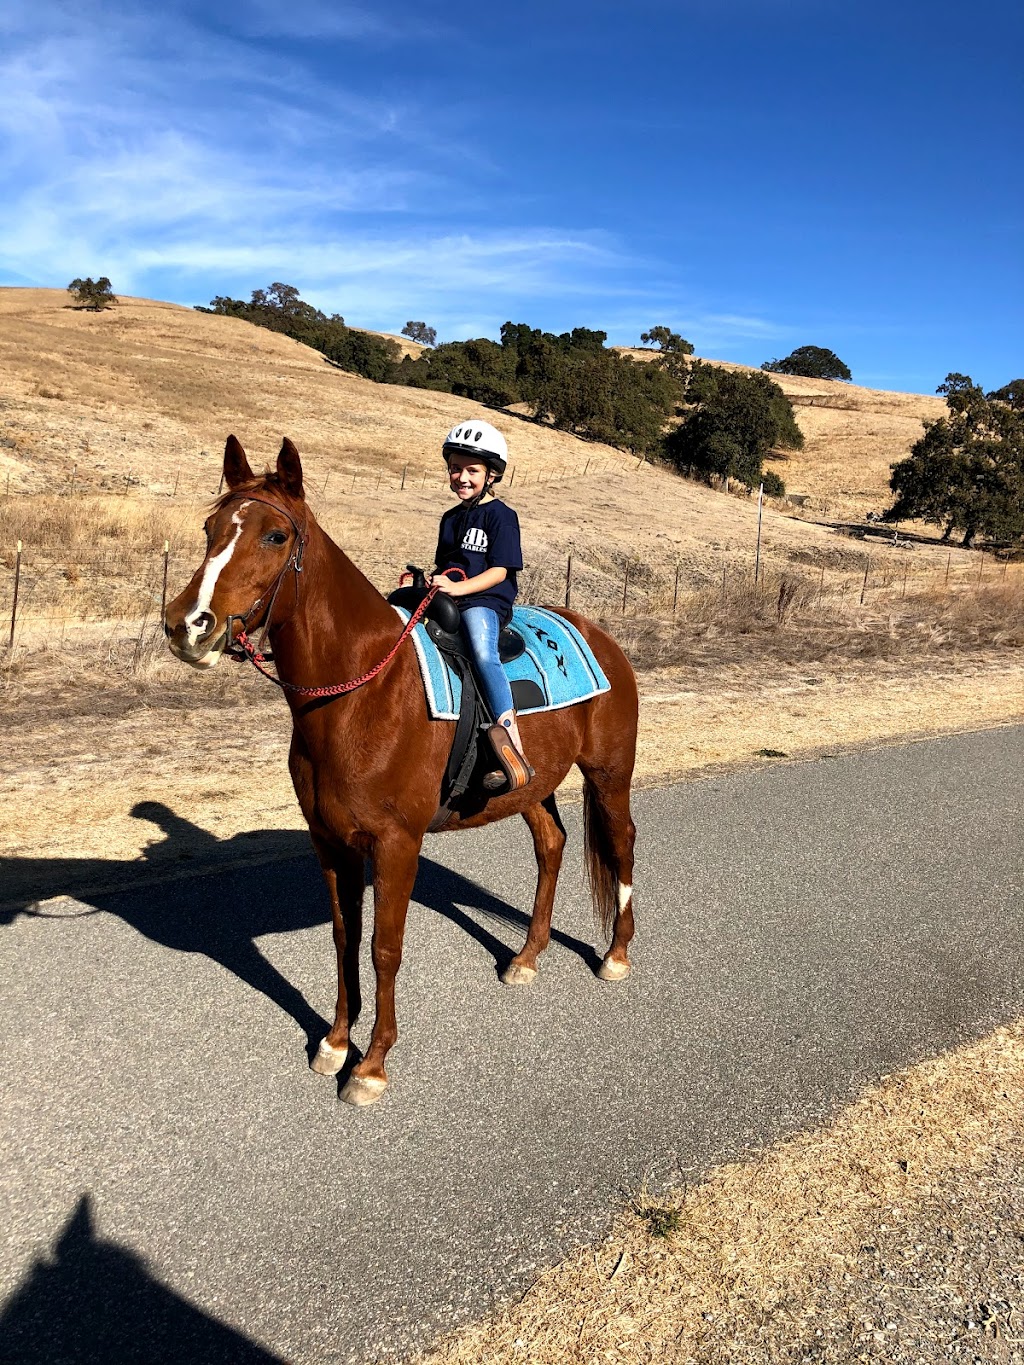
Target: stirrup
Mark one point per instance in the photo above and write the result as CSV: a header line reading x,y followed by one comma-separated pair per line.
x,y
514,772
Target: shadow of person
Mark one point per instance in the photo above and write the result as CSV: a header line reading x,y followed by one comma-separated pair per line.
x,y
234,891
92,1302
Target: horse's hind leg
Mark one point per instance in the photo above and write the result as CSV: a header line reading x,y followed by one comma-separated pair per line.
x,y
610,836
548,842
343,872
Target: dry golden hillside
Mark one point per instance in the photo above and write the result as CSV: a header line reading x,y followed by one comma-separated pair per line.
x,y
140,398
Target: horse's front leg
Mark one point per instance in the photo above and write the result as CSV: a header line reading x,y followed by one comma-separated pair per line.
x,y
343,872
395,859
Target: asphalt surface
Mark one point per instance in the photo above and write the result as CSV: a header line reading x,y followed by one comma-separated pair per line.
x,y
178,1186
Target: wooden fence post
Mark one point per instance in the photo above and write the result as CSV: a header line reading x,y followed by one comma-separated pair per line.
x,y
675,592
949,560
568,581
323,491
71,487
177,476
163,591
14,605
404,472
864,585
127,481
757,553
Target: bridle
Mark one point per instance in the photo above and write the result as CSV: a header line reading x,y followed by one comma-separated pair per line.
x,y
240,646
294,561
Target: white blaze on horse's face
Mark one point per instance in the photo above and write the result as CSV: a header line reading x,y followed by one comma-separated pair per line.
x,y
199,622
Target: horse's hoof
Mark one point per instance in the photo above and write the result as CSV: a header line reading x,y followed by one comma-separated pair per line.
x,y
611,970
328,1060
363,1090
515,975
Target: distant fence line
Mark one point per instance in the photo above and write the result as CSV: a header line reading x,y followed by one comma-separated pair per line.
x,y
103,593
338,480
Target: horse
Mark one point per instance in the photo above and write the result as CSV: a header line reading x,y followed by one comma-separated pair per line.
x,y
366,760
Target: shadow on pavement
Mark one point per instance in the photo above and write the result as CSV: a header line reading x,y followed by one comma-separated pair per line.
x,y
233,894
92,1302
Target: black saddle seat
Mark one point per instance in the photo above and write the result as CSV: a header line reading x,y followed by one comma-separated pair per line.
x,y
443,624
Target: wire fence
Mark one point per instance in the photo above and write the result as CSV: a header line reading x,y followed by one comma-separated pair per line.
x,y
47,592
206,480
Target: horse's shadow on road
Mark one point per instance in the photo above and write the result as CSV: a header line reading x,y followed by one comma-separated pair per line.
x,y
234,892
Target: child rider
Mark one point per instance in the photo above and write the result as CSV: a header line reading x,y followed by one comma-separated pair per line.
x,y
482,539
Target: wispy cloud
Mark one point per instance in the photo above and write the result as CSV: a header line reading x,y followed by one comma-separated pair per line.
x,y
176,160
183,161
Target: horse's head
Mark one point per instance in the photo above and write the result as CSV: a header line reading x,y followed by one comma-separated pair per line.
x,y
254,535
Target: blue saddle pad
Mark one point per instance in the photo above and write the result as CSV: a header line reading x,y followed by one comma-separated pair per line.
x,y
557,659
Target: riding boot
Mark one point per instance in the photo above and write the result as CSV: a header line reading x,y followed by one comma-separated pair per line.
x,y
514,772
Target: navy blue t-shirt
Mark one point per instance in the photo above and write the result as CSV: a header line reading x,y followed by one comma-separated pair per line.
x,y
477,538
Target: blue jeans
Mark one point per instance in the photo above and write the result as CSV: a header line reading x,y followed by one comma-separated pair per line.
x,y
481,628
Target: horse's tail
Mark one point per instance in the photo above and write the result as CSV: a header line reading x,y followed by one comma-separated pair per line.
x,y
602,865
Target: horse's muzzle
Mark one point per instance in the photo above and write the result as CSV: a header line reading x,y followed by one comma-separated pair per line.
x,y
201,653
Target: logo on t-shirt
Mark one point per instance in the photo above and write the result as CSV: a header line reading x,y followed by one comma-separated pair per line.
x,y
475,540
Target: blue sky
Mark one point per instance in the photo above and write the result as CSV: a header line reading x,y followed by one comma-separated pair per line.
x,y
756,174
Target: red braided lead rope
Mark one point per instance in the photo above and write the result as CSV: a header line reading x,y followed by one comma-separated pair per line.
x,y
257,661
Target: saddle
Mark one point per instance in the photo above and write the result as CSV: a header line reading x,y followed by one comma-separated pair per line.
x,y
443,623
469,759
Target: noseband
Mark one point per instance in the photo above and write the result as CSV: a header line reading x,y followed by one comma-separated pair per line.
x,y
294,561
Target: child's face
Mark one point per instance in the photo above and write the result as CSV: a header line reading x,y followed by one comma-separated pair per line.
x,y
468,477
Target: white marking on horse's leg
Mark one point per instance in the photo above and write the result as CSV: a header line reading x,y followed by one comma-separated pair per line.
x,y
363,1090
610,970
624,894
193,630
328,1060
514,975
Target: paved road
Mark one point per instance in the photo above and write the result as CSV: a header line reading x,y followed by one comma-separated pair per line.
x,y
173,1175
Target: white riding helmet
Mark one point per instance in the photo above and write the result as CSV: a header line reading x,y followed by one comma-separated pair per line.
x,y
483,441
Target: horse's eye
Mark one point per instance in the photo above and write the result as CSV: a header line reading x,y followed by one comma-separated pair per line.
x,y
274,538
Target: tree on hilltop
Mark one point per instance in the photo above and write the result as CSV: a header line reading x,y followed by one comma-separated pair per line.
x,y
419,331
967,471
281,309
813,362
92,294
666,341
674,351
735,420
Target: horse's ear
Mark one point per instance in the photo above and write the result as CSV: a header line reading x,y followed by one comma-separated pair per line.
x,y
236,464
289,469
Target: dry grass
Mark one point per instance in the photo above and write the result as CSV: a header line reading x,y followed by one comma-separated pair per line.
x,y
834,1246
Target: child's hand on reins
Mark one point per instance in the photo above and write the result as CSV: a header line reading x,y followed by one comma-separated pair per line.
x,y
452,587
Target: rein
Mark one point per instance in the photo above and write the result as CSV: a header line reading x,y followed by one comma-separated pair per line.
x,y
257,659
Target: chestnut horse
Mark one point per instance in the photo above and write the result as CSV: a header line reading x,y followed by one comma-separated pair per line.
x,y
368,763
